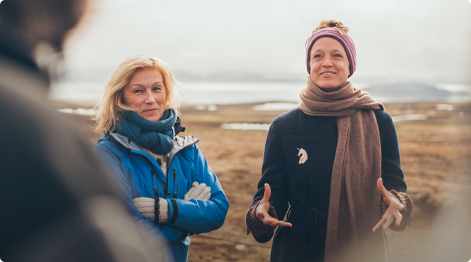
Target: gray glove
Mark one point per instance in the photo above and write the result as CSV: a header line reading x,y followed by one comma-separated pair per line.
x,y
146,206
198,191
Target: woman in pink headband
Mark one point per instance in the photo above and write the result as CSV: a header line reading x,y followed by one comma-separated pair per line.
x,y
331,167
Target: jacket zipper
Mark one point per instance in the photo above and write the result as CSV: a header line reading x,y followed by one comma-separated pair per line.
x,y
175,184
152,173
166,176
165,185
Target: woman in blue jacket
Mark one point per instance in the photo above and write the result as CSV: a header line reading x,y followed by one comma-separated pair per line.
x,y
165,181
331,166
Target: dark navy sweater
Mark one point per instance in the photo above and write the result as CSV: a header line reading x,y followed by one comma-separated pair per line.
x,y
308,185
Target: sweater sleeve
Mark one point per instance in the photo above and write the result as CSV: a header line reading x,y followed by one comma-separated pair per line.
x,y
392,174
391,171
274,172
254,225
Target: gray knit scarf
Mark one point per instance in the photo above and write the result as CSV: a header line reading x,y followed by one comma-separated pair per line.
x,y
355,203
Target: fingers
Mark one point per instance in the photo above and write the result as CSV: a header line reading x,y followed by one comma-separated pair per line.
x,y
381,188
398,205
189,194
264,204
260,214
393,202
266,194
271,221
275,223
380,223
398,217
199,189
388,223
388,197
388,218
206,194
284,224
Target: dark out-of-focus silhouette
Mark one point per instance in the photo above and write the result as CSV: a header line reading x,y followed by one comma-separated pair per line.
x,y
56,202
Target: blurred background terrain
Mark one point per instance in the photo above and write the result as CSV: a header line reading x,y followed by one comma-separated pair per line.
x,y
435,146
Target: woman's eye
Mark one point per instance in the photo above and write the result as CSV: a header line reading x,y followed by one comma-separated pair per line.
x,y
338,55
156,88
138,91
317,56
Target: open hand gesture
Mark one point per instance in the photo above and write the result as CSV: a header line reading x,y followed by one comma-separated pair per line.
x,y
262,211
393,211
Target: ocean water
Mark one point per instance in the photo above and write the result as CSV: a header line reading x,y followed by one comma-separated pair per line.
x,y
220,93
196,93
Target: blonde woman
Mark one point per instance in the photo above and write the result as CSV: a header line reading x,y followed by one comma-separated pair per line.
x,y
165,181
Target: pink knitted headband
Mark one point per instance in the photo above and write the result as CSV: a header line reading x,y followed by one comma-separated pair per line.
x,y
343,38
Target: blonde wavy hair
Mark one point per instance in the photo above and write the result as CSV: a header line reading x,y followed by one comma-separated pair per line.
x,y
112,102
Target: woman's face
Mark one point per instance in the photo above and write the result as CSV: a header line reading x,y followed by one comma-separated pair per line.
x,y
329,64
145,93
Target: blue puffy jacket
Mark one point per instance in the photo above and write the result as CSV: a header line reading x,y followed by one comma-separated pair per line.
x,y
138,174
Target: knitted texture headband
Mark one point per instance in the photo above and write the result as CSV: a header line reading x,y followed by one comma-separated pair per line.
x,y
342,37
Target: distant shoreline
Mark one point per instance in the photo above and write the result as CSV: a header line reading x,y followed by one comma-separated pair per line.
x,y
227,93
63,103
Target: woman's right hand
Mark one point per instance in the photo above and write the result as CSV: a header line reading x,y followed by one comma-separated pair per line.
x,y
262,211
198,191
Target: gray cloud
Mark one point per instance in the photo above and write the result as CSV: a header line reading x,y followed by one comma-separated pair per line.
x,y
403,38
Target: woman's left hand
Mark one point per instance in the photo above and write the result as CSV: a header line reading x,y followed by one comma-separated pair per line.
x,y
393,211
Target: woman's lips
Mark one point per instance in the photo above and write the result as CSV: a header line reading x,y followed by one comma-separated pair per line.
x,y
150,110
327,73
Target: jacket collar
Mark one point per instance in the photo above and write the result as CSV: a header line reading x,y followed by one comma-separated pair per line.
x,y
179,143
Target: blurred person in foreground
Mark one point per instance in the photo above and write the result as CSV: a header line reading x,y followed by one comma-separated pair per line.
x,y
165,181
331,167
57,204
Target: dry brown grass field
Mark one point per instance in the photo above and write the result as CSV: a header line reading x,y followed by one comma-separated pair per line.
x,y
435,156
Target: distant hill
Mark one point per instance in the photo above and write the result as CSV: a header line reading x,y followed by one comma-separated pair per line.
x,y
407,92
239,77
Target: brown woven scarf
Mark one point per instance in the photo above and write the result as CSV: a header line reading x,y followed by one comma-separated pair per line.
x,y
355,203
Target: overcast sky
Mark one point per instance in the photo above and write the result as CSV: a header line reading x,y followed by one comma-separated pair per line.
x,y
420,39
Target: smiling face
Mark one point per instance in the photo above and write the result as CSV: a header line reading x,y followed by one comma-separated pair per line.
x,y
146,94
329,64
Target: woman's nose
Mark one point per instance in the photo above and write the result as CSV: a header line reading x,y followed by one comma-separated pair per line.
x,y
149,98
327,62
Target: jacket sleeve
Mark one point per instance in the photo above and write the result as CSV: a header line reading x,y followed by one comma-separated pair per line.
x,y
113,161
274,172
200,216
392,174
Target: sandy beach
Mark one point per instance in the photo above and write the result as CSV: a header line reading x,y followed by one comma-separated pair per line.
x,y
435,155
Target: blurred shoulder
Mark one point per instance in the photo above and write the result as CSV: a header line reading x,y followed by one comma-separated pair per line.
x,y
107,142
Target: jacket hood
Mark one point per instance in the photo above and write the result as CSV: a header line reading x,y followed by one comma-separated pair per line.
x,y
179,143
